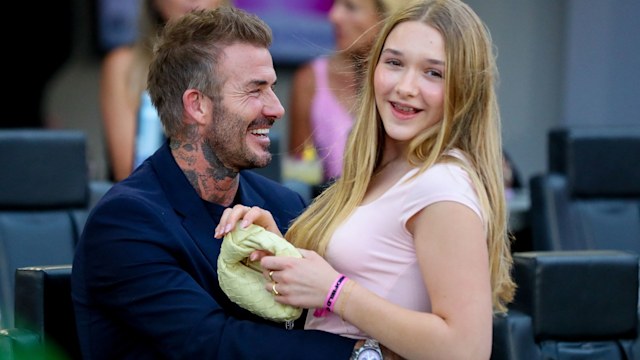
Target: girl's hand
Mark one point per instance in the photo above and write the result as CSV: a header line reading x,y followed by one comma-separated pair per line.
x,y
247,215
301,282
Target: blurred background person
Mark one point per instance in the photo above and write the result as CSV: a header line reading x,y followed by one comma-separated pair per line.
x,y
131,125
511,174
324,89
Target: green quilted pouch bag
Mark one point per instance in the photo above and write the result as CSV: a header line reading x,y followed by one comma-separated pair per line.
x,y
242,280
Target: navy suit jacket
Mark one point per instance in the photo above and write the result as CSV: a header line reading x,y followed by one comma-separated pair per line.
x,y
144,280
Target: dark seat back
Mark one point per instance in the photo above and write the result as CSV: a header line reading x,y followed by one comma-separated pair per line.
x,y
44,194
590,197
577,295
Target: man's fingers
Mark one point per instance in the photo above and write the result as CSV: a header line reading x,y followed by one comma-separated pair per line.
x,y
229,219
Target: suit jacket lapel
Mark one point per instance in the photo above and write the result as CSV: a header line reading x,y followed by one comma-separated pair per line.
x,y
187,203
248,195
190,206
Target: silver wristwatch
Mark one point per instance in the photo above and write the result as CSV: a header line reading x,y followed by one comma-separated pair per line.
x,y
369,351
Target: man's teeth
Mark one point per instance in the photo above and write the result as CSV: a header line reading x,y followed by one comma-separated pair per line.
x,y
260,132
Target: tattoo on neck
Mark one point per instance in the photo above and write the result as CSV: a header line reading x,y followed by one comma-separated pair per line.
x,y
205,172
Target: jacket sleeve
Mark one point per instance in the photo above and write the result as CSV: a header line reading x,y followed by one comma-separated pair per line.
x,y
140,267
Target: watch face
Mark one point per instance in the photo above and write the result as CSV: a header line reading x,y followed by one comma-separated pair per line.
x,y
369,354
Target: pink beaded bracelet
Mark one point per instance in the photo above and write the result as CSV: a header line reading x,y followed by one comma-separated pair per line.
x,y
332,296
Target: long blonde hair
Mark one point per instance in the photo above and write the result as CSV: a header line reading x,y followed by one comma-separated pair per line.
x,y
471,123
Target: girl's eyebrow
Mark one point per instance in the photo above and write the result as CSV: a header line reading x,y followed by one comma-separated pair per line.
x,y
398,53
392,51
436,62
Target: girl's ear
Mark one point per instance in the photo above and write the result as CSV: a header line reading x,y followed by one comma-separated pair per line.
x,y
197,107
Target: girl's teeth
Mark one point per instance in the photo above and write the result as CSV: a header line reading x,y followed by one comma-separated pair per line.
x,y
403,108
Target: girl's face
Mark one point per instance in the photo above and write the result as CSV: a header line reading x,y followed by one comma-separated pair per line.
x,y
173,8
351,19
409,80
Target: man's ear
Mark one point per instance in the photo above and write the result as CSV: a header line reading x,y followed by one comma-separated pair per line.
x,y
197,106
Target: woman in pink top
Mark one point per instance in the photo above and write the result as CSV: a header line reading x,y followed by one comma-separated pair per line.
x,y
417,223
324,90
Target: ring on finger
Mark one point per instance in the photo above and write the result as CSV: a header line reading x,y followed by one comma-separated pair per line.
x,y
271,276
274,290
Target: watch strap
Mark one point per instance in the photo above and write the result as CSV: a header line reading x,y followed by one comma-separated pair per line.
x,y
368,344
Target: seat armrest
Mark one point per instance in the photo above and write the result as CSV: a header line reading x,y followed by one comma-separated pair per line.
x,y
44,305
578,295
513,337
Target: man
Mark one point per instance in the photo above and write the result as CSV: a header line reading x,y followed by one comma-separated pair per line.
x,y
144,280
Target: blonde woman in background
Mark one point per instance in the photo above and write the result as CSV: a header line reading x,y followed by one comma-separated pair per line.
x,y
417,223
324,90
123,82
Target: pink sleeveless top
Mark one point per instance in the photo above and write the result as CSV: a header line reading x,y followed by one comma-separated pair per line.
x,y
330,121
374,247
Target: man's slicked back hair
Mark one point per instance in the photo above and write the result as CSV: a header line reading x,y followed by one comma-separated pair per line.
x,y
188,52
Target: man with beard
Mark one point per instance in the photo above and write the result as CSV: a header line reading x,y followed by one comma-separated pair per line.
x,y
144,280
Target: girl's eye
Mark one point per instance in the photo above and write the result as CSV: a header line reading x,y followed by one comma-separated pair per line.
x,y
393,62
349,5
434,73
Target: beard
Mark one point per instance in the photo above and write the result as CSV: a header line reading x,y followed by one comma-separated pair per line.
x,y
226,140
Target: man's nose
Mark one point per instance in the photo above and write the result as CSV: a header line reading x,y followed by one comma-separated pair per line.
x,y
272,107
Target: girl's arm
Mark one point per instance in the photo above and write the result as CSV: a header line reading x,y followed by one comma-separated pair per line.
x,y
451,248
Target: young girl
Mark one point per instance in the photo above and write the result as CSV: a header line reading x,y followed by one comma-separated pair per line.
x,y
417,222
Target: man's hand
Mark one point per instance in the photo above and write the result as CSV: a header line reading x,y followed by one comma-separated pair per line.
x,y
247,216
